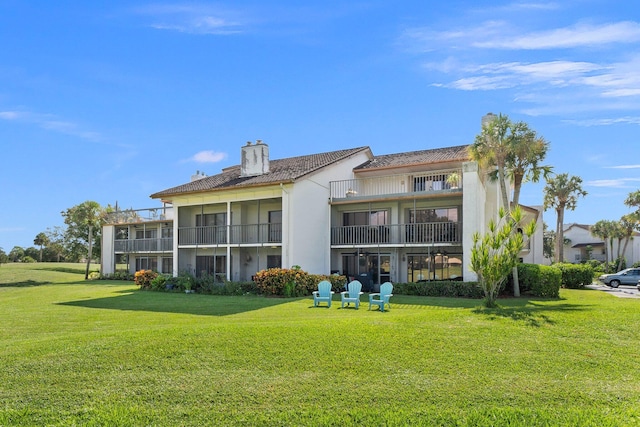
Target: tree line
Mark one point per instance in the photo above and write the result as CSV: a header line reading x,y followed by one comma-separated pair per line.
x,y
79,240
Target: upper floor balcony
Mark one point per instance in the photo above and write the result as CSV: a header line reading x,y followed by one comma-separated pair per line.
x,y
164,244
398,234
435,182
134,216
247,234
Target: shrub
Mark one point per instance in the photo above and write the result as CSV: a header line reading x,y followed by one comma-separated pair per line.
x,y
293,282
575,276
118,275
159,283
440,288
143,278
539,280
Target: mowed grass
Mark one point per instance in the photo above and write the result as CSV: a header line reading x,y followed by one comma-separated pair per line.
x,y
103,353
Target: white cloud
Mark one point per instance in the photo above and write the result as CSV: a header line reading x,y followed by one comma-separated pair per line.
x,y
579,35
192,19
208,157
50,122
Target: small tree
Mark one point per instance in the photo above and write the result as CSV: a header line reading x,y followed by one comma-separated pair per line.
x,y
495,254
41,240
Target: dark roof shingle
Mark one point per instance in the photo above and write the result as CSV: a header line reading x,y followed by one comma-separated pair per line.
x,y
436,155
280,170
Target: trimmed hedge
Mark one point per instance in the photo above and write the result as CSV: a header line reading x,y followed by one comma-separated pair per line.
x,y
539,280
440,288
575,276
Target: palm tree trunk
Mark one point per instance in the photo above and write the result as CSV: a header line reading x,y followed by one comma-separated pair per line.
x,y
89,254
559,233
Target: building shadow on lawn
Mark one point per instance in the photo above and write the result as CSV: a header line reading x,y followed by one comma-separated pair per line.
x,y
201,305
531,311
24,284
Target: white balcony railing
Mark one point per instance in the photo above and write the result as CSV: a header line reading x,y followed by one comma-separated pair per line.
x,y
397,234
135,216
441,181
238,234
164,244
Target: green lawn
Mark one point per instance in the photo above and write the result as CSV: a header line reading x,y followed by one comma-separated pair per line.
x,y
103,353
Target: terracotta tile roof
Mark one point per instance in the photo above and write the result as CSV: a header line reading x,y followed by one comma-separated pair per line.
x,y
436,155
280,171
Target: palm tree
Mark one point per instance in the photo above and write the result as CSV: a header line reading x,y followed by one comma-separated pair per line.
x,y
491,150
527,151
41,240
514,151
561,193
603,229
628,225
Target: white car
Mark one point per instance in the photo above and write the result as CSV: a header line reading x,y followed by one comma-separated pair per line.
x,y
628,276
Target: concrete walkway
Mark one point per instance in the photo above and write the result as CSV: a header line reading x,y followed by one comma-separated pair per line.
x,y
621,292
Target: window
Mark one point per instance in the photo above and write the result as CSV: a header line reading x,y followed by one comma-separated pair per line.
x,y
275,226
211,265
365,218
274,261
150,233
212,228
147,263
167,265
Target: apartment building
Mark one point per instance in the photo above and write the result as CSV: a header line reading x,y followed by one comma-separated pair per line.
x,y
404,217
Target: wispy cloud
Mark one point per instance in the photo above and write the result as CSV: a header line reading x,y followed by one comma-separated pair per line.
x,y
192,18
613,183
52,123
208,156
579,35
546,70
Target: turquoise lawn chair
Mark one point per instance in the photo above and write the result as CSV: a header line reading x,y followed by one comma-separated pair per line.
x,y
381,298
352,294
323,294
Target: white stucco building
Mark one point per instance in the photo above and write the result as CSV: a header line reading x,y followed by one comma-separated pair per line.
x,y
399,217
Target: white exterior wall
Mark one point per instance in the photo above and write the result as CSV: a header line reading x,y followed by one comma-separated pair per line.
x,y
306,237
108,262
474,213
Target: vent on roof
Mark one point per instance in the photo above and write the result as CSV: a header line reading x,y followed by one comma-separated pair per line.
x,y
254,159
198,175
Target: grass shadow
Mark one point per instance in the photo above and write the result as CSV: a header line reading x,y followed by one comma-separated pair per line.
x,y
24,284
201,305
528,311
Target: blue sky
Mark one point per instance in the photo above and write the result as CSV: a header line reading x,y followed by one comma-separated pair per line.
x,y
113,101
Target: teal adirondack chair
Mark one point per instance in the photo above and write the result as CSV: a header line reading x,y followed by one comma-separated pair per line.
x,y
323,294
352,294
381,298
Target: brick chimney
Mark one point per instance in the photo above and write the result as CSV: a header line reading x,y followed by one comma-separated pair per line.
x,y
254,159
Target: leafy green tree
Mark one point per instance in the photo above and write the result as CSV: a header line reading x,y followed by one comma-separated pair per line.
x,y
633,200
548,241
41,240
84,227
16,254
3,257
56,247
495,254
561,193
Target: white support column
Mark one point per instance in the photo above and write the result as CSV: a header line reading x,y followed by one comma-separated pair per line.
x,y
228,240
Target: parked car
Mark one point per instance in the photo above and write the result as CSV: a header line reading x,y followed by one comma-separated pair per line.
x,y
639,285
628,276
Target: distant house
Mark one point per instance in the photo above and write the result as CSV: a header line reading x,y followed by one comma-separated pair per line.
x,y
580,245
402,217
